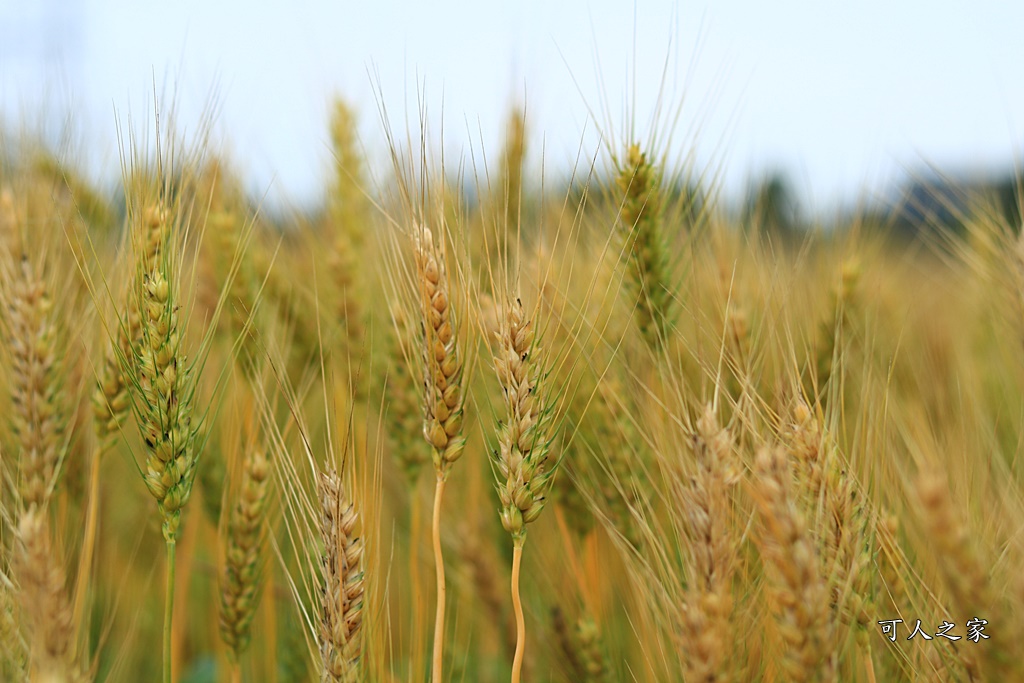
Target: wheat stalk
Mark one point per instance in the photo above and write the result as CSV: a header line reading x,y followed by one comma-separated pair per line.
x,y
522,467
162,387
443,397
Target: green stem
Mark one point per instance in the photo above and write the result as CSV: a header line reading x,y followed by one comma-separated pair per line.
x,y
169,611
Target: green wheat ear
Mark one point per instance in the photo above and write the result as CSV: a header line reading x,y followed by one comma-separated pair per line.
x,y
640,226
161,378
349,212
508,192
523,468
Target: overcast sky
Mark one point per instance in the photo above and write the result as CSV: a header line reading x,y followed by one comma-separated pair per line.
x,y
844,96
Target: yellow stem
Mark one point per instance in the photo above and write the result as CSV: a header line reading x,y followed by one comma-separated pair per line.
x,y
869,665
439,567
85,561
192,526
414,581
517,604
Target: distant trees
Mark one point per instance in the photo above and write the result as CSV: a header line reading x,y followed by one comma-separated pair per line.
x,y
772,208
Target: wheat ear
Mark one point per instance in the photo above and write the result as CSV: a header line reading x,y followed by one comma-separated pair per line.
x,y
799,596
349,213
581,648
45,602
243,558
968,580
341,609
640,227
37,414
708,511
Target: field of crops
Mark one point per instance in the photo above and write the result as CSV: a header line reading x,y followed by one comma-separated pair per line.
x,y
464,423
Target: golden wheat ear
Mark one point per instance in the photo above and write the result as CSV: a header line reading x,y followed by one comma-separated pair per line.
x,y
45,605
443,402
34,350
799,595
342,590
968,580
242,578
714,546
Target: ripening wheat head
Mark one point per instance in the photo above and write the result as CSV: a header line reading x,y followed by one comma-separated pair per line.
x,y
523,467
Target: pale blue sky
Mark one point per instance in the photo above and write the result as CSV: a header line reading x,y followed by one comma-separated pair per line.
x,y
842,95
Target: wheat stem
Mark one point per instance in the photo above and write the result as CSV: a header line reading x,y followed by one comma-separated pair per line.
x,y
169,610
441,590
414,581
517,605
89,540
869,666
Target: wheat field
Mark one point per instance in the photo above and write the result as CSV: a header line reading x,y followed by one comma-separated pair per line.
x,y
250,445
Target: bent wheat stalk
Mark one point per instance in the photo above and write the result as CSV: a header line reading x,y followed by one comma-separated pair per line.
x,y
442,375
522,465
